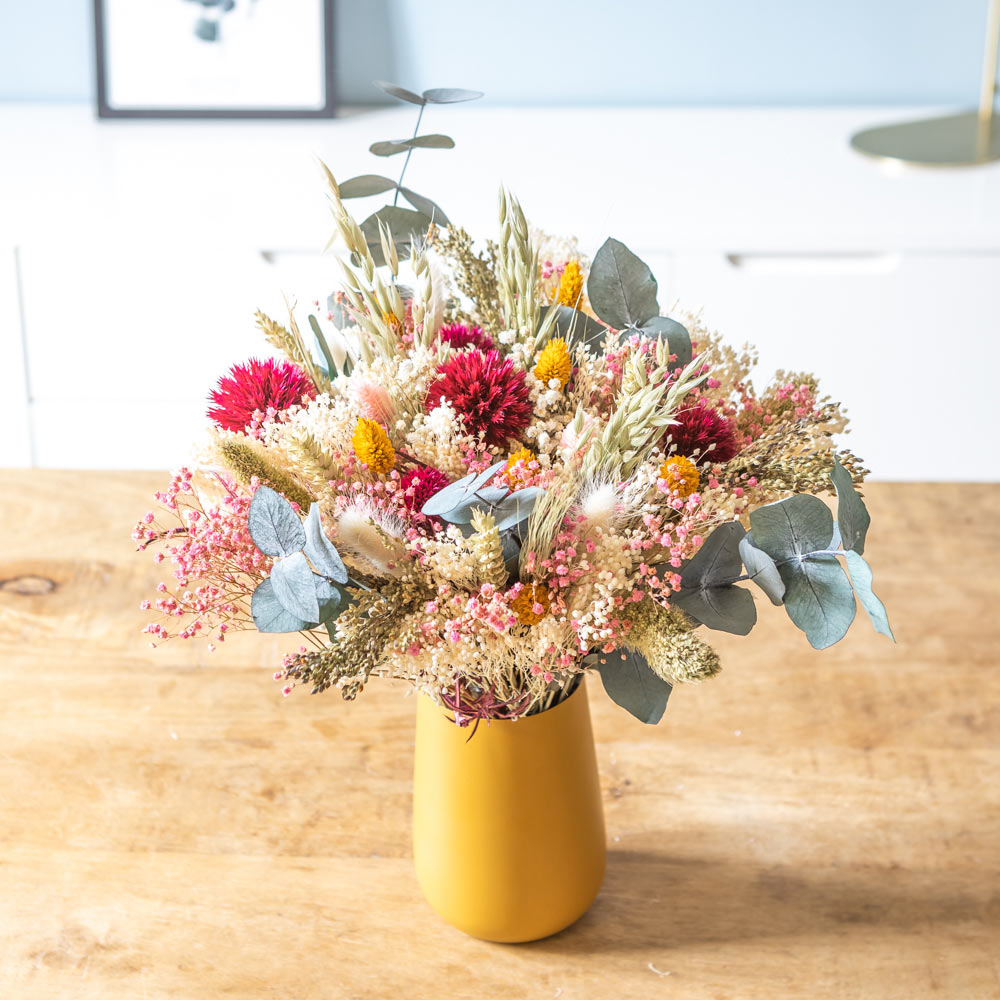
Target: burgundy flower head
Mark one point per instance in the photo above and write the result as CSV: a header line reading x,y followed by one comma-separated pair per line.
x,y
257,385
424,484
488,393
698,429
459,335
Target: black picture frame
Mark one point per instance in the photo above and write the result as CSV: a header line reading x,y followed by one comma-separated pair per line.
x,y
105,110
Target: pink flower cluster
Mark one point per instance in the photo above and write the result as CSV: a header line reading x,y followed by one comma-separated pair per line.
x,y
216,565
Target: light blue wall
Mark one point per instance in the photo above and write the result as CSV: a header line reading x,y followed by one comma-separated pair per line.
x,y
591,51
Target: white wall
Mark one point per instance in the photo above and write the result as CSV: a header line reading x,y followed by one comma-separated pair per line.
x,y
133,255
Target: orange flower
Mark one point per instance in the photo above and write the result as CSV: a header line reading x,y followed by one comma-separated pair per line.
x,y
527,603
681,473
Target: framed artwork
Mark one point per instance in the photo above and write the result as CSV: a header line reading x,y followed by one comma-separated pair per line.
x,y
214,58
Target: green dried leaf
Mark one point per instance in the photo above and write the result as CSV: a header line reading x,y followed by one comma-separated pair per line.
x,y
394,90
433,141
274,527
516,507
321,551
461,492
404,224
485,497
818,599
572,324
707,592
853,518
270,616
621,288
861,578
631,683
391,147
795,526
387,147
432,210
762,569
365,185
332,600
294,588
677,338
329,364
450,95
340,315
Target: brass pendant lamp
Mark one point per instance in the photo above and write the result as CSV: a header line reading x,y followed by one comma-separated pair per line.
x,y
954,140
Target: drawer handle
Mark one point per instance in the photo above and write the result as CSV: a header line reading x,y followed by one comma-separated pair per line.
x,y
814,263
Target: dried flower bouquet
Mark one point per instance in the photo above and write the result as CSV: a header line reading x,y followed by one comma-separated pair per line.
x,y
501,472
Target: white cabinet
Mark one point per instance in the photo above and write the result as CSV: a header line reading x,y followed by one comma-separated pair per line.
x,y
125,339
142,258
908,342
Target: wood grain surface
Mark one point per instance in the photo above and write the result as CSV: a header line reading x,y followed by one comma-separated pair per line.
x,y
805,825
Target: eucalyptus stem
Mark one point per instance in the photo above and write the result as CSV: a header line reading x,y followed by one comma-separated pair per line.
x,y
409,153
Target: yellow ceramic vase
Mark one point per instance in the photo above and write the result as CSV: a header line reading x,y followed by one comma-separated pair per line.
x,y
508,826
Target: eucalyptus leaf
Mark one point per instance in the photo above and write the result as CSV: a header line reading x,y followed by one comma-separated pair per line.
x,y
433,141
332,600
340,315
274,527
572,324
270,616
450,95
390,147
402,93
818,598
425,205
725,609
485,498
404,225
718,560
458,493
792,527
762,569
621,288
861,578
321,551
631,683
511,548
294,587
365,185
329,364
516,507
676,335
853,518
707,592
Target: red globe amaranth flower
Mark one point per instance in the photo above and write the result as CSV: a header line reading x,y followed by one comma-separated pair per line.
x,y
418,486
487,392
698,428
257,385
459,335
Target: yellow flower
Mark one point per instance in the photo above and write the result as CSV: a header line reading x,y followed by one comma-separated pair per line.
x,y
372,446
522,454
681,473
525,602
554,362
570,285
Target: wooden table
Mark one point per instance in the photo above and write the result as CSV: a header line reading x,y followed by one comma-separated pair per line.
x,y
806,825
